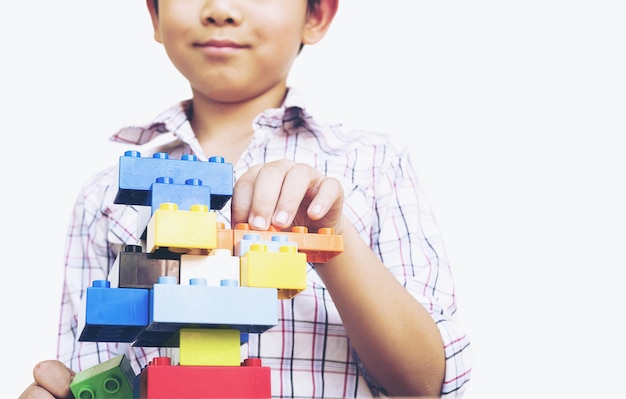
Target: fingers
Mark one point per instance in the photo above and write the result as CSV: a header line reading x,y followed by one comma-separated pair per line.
x,y
292,195
54,377
283,193
52,380
328,200
243,191
34,391
270,193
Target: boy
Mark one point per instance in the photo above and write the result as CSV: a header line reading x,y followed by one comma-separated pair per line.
x,y
376,319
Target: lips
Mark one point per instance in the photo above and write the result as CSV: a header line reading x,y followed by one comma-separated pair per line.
x,y
219,44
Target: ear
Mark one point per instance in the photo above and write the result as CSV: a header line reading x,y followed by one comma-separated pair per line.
x,y
154,15
318,21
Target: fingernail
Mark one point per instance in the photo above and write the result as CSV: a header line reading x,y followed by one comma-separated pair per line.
x,y
281,217
258,222
316,210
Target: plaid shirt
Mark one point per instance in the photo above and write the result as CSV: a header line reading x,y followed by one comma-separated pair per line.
x,y
308,351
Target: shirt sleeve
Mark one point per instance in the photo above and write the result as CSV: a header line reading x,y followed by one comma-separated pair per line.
x,y
406,237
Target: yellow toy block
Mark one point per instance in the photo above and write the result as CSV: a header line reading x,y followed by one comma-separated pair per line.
x,y
180,230
209,347
284,270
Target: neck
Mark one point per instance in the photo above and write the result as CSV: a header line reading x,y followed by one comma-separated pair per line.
x,y
225,128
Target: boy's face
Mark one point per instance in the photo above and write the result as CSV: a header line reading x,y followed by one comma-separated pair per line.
x,y
232,50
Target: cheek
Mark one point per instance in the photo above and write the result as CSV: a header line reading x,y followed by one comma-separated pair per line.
x,y
282,41
279,59
176,42
179,58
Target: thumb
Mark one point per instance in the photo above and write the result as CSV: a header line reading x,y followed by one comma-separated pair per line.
x,y
55,377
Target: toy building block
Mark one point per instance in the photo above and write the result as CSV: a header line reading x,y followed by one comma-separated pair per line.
x,y
319,247
276,241
139,269
160,380
137,173
169,339
224,240
184,195
284,269
217,266
224,237
157,339
113,314
236,278
209,347
112,379
174,306
181,230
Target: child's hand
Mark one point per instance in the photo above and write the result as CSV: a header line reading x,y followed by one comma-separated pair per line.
x,y
52,380
284,194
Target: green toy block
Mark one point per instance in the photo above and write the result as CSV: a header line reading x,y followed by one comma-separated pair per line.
x,y
112,379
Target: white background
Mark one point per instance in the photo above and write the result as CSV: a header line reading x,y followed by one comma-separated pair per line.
x,y
516,112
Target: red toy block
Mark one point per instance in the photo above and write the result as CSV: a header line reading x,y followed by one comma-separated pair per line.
x,y
161,380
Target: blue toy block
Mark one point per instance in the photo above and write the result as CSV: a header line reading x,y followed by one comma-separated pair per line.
x,y
139,269
276,241
174,306
157,339
193,192
137,174
113,314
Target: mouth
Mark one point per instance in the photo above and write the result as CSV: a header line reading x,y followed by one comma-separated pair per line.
x,y
219,44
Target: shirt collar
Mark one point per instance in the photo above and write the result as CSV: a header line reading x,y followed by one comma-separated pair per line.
x,y
175,122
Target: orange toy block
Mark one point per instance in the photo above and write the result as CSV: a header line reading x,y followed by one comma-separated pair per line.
x,y
224,237
319,247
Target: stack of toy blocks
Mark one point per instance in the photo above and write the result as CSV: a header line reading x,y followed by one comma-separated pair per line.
x,y
192,284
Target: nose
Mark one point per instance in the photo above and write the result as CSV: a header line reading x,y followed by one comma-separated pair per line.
x,y
220,13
